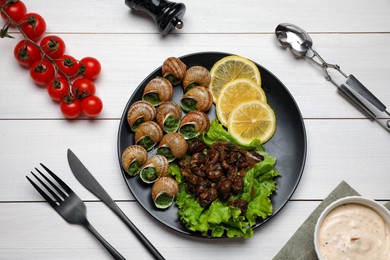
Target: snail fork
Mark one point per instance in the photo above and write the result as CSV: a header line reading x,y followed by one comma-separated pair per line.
x,y
66,202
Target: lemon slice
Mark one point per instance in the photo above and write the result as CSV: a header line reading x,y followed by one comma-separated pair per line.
x,y
230,68
252,120
234,93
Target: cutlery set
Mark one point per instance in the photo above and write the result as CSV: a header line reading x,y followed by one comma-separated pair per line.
x,y
69,206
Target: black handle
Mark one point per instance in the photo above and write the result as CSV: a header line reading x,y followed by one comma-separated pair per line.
x,y
137,233
104,242
364,92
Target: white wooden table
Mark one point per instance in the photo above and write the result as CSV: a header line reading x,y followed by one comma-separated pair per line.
x,y
342,143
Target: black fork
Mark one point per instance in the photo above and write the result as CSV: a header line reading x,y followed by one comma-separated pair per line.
x,y
68,205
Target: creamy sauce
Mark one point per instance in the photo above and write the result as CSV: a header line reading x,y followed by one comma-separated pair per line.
x,y
353,231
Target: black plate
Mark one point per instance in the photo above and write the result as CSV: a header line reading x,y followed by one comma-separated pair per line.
x,y
288,144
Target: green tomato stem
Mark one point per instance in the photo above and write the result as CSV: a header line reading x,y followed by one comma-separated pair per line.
x,y
44,55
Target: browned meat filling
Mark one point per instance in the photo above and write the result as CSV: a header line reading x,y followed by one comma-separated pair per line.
x,y
217,172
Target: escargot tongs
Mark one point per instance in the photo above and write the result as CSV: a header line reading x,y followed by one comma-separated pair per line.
x,y
300,44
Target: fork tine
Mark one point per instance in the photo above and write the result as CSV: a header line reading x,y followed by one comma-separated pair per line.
x,y
56,197
44,195
61,193
63,184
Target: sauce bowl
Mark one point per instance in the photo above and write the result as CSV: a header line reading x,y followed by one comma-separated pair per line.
x,y
345,224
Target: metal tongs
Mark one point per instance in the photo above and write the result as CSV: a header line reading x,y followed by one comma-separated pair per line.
x,y
300,44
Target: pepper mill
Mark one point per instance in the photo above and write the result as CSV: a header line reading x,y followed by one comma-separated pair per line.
x,y
167,15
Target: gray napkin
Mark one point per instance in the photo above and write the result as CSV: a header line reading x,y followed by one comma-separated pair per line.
x,y
301,246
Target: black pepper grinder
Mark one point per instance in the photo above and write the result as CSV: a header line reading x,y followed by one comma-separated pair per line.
x,y
167,15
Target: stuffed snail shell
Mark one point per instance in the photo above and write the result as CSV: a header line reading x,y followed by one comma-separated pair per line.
x,y
148,134
133,157
172,146
196,76
164,191
155,167
168,116
174,70
193,124
140,112
157,91
198,98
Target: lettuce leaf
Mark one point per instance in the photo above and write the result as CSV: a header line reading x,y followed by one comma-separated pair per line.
x,y
220,219
218,133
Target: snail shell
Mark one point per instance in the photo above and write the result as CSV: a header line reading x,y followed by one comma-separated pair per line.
x,y
139,112
148,134
193,124
155,167
157,91
133,157
174,70
168,116
198,98
172,145
164,191
196,76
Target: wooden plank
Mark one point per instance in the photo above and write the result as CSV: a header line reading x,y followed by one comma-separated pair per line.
x,y
35,231
218,16
128,59
350,150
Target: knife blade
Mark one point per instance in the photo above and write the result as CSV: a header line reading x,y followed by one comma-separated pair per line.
x,y
83,175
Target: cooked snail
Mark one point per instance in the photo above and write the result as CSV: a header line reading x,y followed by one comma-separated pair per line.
x,y
133,157
174,70
193,124
155,167
168,116
196,76
164,191
139,112
157,91
148,134
172,145
198,98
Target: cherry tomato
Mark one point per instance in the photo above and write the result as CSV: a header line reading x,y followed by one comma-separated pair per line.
x,y
83,87
58,88
68,65
91,68
15,11
33,25
42,72
92,106
26,53
53,46
70,108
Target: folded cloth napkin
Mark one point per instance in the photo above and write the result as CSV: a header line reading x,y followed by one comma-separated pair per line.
x,y
301,246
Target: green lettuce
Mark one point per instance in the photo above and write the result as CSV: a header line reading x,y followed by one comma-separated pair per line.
x,y
218,133
220,219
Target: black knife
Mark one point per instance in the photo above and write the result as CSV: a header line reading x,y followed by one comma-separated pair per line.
x,y
88,181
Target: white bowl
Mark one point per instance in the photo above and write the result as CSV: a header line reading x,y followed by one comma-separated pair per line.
x,y
379,208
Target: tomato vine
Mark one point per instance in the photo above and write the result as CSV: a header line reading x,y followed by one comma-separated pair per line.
x,y
49,66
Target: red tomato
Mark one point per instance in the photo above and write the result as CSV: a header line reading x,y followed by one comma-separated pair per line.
x,y
58,88
27,53
42,72
68,65
33,25
71,108
53,46
92,106
83,87
15,11
91,68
